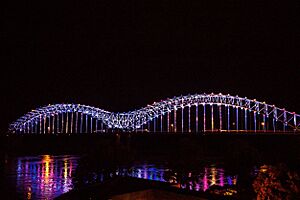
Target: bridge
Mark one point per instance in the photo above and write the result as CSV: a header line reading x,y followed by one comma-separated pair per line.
x,y
186,114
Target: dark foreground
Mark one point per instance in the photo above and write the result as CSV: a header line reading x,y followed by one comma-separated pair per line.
x,y
133,188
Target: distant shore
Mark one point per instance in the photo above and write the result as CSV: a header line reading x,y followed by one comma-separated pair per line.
x,y
141,144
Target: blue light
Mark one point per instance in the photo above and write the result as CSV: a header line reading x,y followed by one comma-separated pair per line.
x,y
134,119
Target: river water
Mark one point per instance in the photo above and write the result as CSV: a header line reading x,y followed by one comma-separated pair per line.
x,y
48,176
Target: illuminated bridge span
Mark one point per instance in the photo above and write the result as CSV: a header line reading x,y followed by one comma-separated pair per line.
x,y
191,113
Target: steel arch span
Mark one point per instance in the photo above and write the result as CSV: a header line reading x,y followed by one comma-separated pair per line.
x,y
190,113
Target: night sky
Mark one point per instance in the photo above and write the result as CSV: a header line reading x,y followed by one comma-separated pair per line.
x,y
124,55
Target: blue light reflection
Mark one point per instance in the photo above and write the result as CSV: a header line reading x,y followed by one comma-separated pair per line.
x,y
44,177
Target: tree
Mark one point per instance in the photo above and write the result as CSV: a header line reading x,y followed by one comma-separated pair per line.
x,y
276,182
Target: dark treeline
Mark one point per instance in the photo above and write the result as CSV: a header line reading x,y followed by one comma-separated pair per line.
x,y
245,148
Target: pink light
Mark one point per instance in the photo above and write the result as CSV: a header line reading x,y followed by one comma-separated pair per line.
x,y
205,183
221,178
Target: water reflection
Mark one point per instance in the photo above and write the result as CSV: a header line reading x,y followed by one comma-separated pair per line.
x,y
44,177
199,180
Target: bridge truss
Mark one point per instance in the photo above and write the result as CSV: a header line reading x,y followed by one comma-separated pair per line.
x,y
191,113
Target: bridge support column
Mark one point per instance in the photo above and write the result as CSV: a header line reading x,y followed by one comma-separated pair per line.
x,y
189,115
71,128
62,122
161,122
274,125
168,122
197,118
28,127
49,125
44,124
72,116
228,118
96,125
264,122
220,117
67,122
182,110
57,122
266,116
154,124
267,122
53,121
36,124
91,125
40,123
295,122
204,118
175,127
245,118
32,126
86,123
76,122
237,117
81,122
212,116
284,120
254,118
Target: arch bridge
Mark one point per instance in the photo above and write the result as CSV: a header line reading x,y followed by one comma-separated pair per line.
x,y
190,113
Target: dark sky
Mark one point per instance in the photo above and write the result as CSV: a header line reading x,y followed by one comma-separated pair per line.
x,y
124,55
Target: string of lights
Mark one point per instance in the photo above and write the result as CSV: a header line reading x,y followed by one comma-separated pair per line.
x,y
161,116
